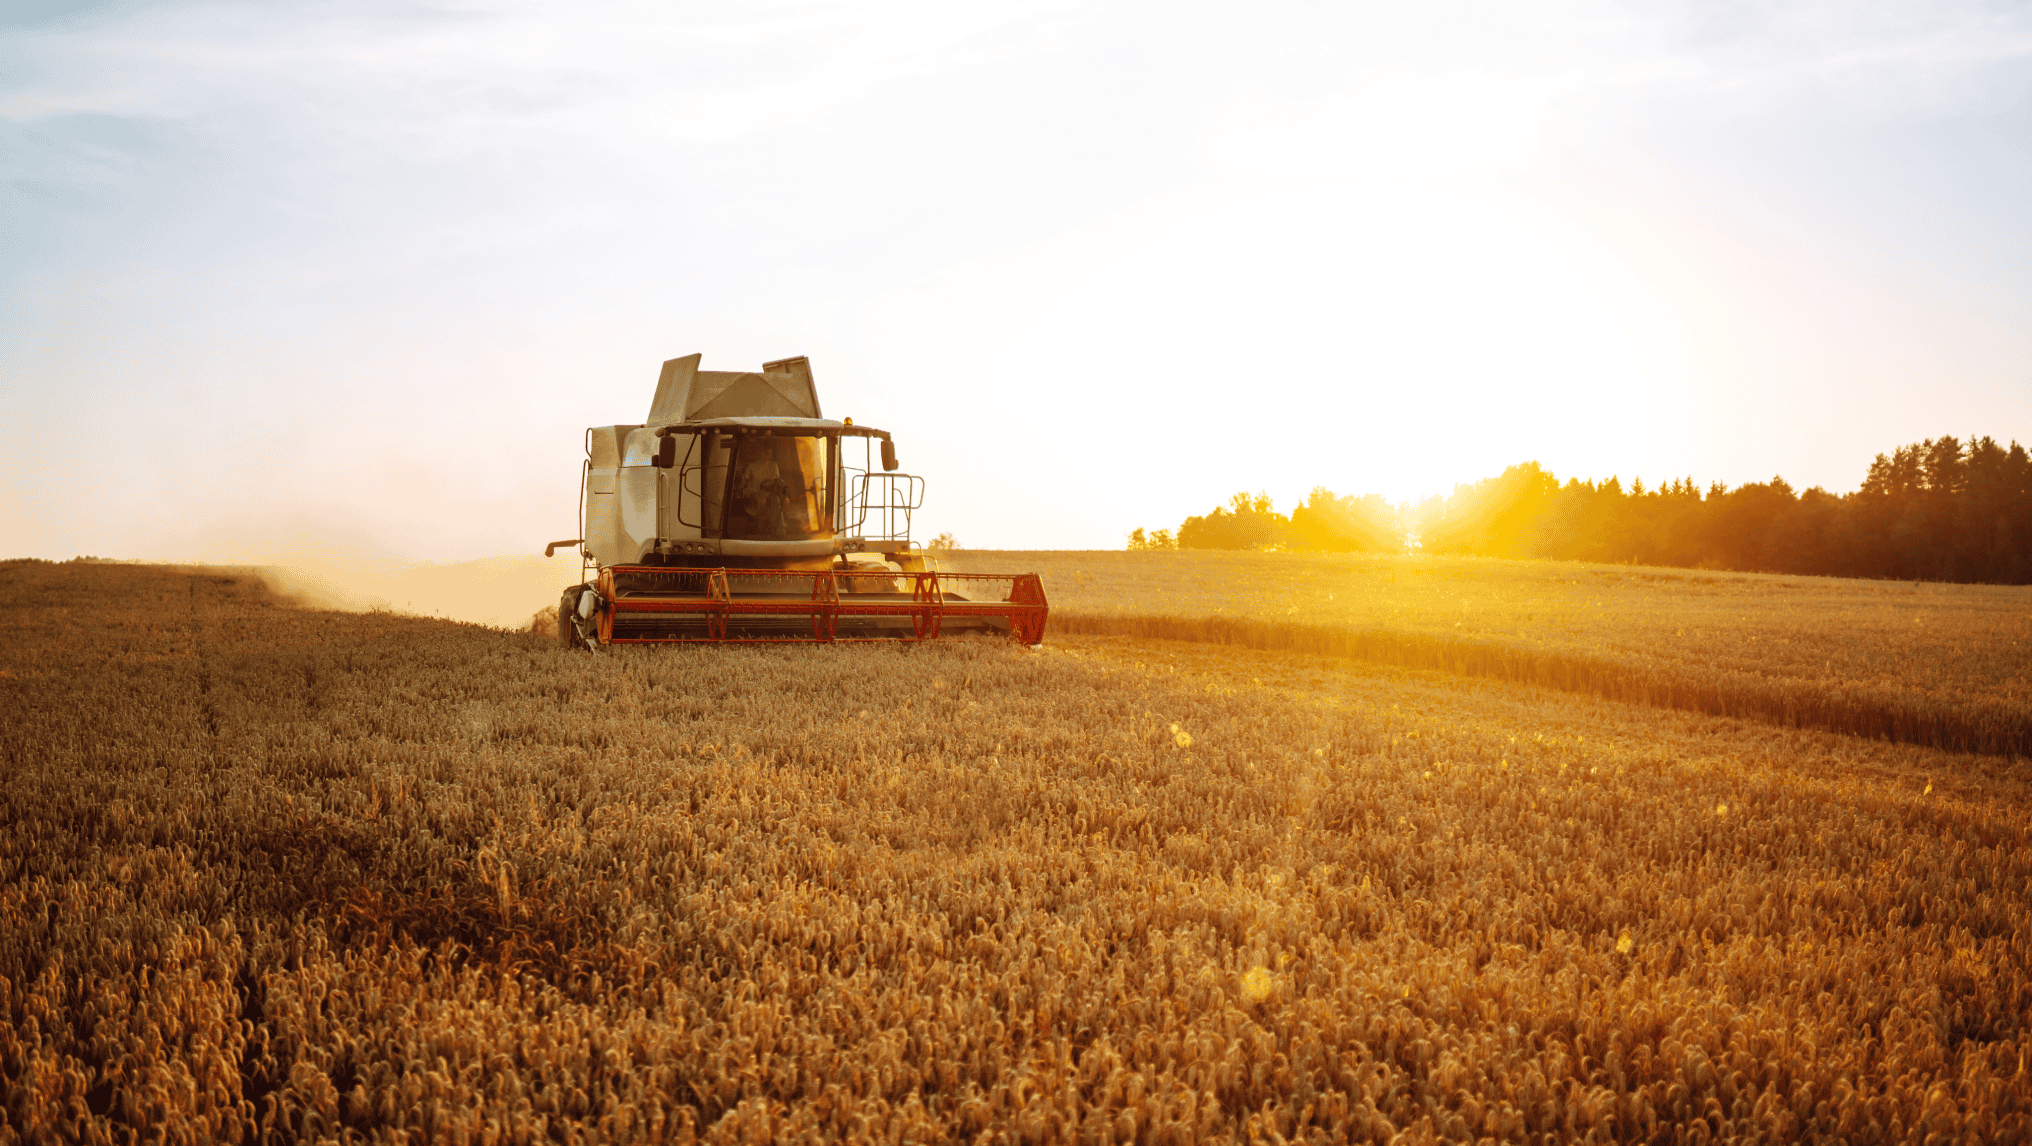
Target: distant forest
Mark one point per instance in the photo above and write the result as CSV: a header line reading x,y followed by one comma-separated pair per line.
x,y
1940,510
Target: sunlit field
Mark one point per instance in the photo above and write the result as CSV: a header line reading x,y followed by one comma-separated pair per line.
x,y
1943,665
276,873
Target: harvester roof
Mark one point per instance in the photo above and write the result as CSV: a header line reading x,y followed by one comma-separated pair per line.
x,y
776,425
782,389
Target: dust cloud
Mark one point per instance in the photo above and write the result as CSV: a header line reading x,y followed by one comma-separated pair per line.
x,y
504,592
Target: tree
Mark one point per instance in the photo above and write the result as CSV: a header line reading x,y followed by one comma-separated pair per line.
x,y
1246,522
1495,517
1366,524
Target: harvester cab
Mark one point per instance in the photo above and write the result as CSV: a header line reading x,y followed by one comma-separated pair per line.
x,y
738,512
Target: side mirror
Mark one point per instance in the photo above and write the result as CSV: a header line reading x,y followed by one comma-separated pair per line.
x,y
666,454
888,454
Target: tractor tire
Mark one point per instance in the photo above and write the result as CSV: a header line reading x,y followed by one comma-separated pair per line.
x,y
567,617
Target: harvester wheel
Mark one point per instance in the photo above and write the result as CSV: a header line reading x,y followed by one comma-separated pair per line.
x,y
567,618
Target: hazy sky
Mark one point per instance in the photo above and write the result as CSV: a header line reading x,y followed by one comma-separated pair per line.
x,y
281,276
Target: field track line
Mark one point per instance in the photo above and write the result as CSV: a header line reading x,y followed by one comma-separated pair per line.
x,y
1968,726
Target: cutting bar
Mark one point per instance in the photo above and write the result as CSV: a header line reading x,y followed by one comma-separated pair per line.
x,y
644,604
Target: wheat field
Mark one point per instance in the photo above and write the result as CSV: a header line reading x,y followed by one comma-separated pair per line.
x,y
276,874
1948,666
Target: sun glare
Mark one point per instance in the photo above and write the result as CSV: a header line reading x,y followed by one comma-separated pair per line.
x,y
1370,339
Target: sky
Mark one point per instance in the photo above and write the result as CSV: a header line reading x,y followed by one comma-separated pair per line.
x,y
298,278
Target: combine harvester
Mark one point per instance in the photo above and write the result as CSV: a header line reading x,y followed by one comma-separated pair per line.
x,y
738,513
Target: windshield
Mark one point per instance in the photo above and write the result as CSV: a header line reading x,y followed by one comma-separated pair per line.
x,y
780,488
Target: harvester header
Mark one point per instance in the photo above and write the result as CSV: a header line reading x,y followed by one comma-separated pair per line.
x,y
737,512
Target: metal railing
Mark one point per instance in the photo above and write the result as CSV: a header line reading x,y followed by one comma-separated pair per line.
x,y
879,505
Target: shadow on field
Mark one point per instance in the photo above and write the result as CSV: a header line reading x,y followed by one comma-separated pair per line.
x,y
530,932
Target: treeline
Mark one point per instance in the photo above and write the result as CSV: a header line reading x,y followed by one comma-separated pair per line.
x,y
1325,522
1939,510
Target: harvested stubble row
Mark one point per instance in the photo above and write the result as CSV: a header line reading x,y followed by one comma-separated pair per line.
x,y
281,874
1946,666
